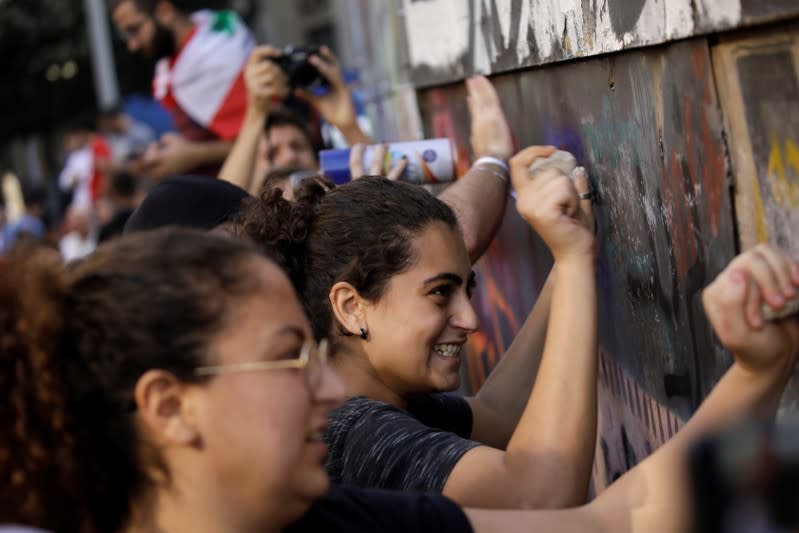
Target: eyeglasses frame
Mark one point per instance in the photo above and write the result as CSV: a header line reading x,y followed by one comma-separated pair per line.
x,y
301,362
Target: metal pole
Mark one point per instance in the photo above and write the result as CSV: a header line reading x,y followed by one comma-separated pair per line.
x,y
105,77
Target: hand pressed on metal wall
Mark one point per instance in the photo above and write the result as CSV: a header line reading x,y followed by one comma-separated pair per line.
x,y
733,304
490,133
549,202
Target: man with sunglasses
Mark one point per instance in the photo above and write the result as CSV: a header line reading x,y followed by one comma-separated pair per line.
x,y
198,78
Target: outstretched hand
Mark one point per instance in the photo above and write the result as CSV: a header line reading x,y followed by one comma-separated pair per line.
x,y
733,304
377,163
490,133
549,202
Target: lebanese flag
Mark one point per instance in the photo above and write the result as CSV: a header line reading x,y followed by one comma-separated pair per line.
x,y
101,158
206,77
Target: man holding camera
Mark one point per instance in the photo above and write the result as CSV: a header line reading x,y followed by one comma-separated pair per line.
x,y
199,78
289,139
276,136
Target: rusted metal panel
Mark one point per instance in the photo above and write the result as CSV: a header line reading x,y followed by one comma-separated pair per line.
x,y
451,39
758,82
646,124
764,10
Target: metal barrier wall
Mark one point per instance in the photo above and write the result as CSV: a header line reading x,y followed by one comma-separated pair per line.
x,y
691,139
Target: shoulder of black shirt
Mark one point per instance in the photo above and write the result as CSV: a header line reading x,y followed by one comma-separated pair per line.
x,y
357,510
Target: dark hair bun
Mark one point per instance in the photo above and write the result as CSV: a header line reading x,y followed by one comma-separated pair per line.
x,y
280,228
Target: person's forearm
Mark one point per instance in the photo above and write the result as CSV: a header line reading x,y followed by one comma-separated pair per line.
x,y
559,420
505,392
207,153
238,167
655,494
257,182
478,199
353,134
579,520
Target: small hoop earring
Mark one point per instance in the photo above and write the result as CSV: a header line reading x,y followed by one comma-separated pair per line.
x,y
363,334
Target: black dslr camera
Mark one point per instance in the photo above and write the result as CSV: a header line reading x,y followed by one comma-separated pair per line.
x,y
294,62
746,479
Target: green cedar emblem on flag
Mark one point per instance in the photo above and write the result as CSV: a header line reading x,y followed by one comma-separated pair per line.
x,y
224,22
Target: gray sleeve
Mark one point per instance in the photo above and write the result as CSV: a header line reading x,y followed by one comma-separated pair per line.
x,y
388,448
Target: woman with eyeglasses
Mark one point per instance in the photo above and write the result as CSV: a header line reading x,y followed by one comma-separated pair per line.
x,y
167,381
168,384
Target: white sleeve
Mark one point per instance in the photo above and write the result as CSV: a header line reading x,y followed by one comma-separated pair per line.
x,y
77,169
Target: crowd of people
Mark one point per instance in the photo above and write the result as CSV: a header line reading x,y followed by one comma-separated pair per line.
x,y
253,348
101,180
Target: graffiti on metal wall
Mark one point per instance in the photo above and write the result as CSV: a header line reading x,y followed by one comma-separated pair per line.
x,y
772,120
450,39
758,80
783,167
631,423
759,84
647,127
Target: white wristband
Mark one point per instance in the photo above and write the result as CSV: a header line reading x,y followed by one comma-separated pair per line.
x,y
492,161
503,176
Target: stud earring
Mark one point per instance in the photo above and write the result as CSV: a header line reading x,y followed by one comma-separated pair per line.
x,y
363,334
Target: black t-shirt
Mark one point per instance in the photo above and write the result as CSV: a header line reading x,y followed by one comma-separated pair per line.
x,y
378,445
353,510
115,226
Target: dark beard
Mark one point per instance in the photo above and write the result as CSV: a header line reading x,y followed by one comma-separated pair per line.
x,y
163,42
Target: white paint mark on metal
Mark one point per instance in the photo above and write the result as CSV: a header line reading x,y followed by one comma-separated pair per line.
x,y
543,27
649,211
483,57
438,32
503,17
715,14
679,19
547,30
573,31
605,39
664,19
523,45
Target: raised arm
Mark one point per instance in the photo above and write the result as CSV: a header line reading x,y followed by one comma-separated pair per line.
x,y
548,459
498,405
653,496
265,82
500,402
479,197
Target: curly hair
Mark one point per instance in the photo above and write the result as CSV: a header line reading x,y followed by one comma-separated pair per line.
x,y
74,343
294,178
360,233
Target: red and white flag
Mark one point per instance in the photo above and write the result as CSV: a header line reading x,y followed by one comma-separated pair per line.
x,y
205,78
